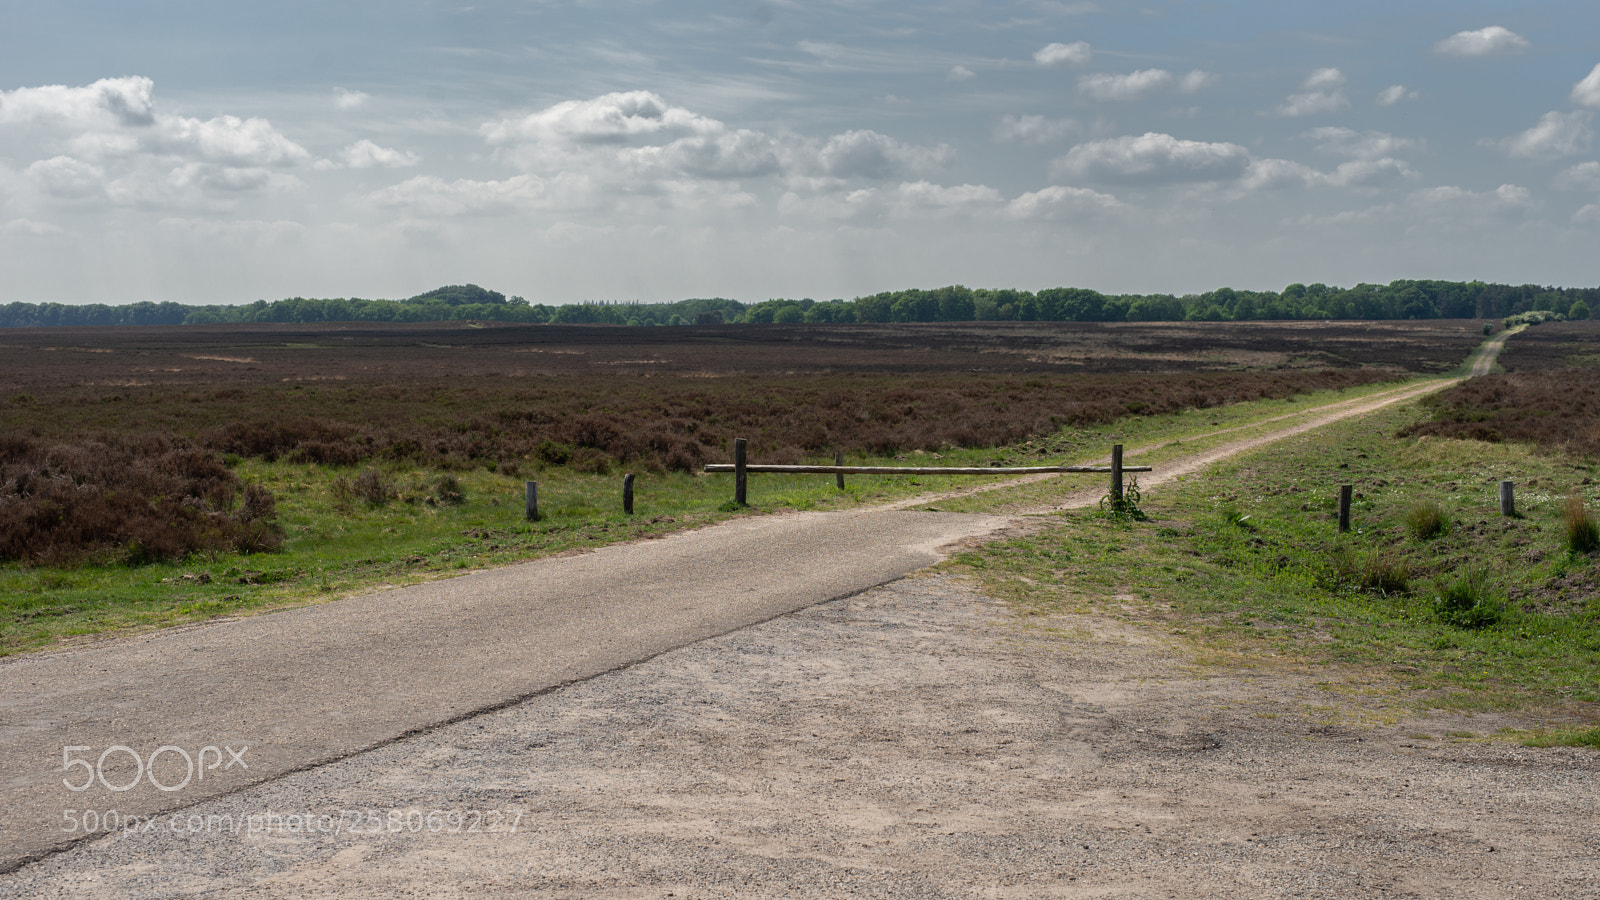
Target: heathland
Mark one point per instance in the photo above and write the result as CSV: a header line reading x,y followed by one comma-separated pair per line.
x,y
154,476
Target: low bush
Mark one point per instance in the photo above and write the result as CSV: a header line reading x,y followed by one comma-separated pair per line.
x,y
1468,601
1426,520
136,499
1376,571
1583,534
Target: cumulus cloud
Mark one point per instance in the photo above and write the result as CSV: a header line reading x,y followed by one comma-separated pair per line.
x,y
1060,56
1583,176
364,154
1587,91
1103,87
1321,93
1060,202
1492,41
1359,144
612,118
1196,81
347,100
63,176
109,141
868,154
1394,93
1557,134
1034,130
1154,158
960,73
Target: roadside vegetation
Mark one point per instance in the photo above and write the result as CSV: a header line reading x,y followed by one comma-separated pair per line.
x,y
1433,600
349,528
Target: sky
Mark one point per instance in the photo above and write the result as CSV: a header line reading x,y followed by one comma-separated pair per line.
x,y
611,150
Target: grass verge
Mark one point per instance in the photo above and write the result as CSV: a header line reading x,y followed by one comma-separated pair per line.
x,y
1246,564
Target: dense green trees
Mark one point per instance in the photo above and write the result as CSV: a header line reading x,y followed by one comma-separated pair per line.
x,y
1407,299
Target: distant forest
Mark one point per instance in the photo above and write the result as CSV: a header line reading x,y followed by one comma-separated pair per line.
x,y
1396,300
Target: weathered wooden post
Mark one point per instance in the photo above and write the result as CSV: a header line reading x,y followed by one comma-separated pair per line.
x,y
740,477
627,494
1345,493
838,460
1116,477
533,501
1508,500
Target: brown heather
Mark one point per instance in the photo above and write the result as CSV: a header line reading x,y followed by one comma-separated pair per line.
x,y
136,500
460,395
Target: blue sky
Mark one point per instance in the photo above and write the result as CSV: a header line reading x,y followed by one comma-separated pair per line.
x,y
614,150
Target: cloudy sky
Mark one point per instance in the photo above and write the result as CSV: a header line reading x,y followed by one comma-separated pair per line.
x,y
625,149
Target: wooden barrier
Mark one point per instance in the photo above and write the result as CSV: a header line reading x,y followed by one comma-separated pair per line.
x,y
741,470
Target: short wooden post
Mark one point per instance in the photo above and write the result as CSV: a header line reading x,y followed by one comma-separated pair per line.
x,y
1508,500
1346,491
1116,476
627,494
740,477
838,460
533,501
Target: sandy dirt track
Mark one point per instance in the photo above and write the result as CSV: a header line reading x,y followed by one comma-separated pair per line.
x,y
913,741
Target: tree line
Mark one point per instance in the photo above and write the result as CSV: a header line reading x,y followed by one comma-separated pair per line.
x,y
1406,299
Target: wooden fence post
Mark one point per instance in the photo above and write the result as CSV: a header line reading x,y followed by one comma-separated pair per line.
x,y
1116,476
1345,492
740,478
838,460
533,501
1508,500
627,494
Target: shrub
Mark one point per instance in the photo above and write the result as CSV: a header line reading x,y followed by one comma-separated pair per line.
x,y
1376,572
1426,520
369,485
1583,534
1468,601
138,499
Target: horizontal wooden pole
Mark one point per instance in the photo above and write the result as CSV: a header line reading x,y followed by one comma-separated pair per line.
x,y
714,468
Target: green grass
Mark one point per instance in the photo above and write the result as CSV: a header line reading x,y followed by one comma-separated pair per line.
x,y
1247,562
338,544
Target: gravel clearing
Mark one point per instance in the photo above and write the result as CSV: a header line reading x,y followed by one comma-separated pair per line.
x,y
916,740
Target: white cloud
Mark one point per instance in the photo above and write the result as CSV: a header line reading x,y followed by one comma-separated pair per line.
x,y
364,154
1359,144
868,154
1587,91
1276,174
1492,41
926,195
612,118
347,100
960,73
1196,81
1035,130
1588,214
1105,88
1583,176
1323,79
1057,56
1057,201
1321,93
1154,158
109,102
229,140
1394,93
1370,172
1556,135
63,176
1450,199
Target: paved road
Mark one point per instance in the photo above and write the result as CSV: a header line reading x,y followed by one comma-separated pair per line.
x,y
306,686
249,700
